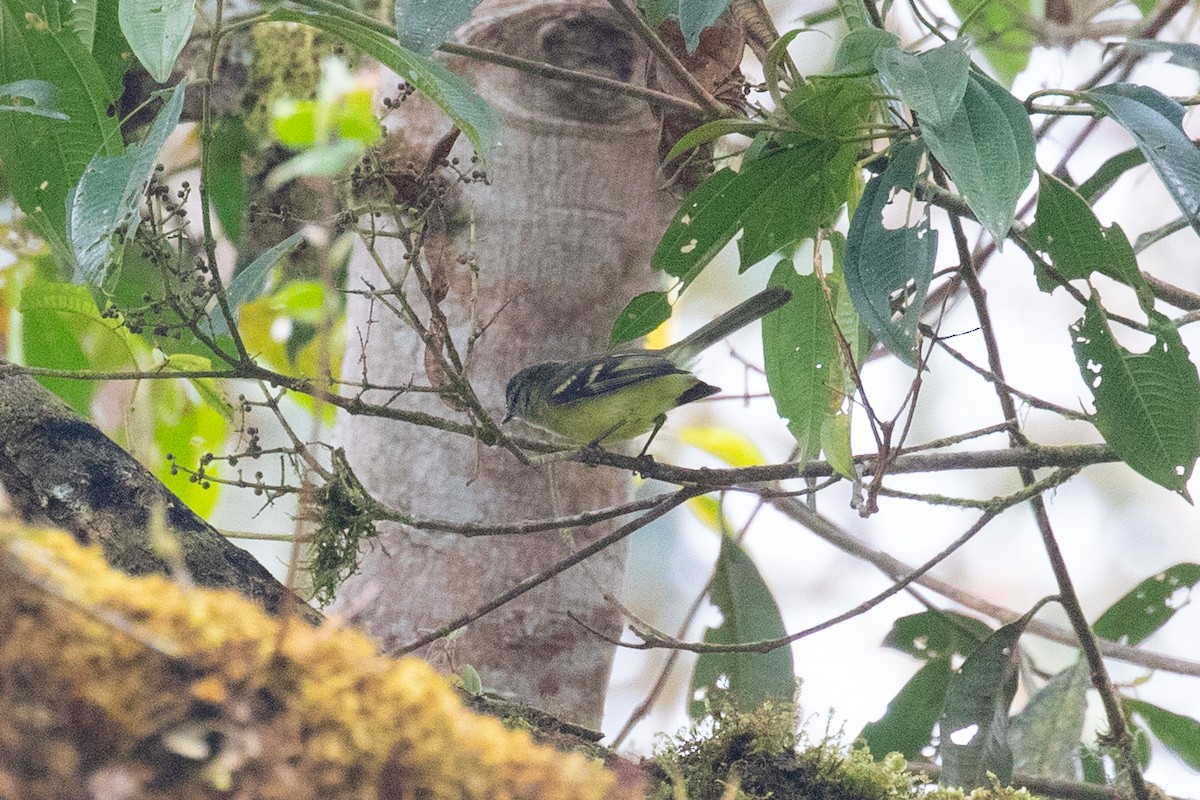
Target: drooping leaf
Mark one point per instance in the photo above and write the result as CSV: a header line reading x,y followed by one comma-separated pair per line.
x,y
1183,54
974,722
1149,605
1156,123
987,149
421,25
1180,734
1067,231
907,725
802,359
104,206
643,314
80,17
1046,734
157,30
110,50
750,614
43,158
693,16
449,92
932,83
890,265
1147,404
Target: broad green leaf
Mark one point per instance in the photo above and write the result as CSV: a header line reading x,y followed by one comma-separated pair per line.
x,y
53,316
931,635
642,315
327,160
974,723
1107,174
1180,734
907,725
750,614
30,97
1149,605
449,92
987,149
1147,404
157,30
856,53
231,142
249,283
1156,124
1001,31
44,158
104,207
1067,231
1045,735
422,25
932,84
886,266
802,359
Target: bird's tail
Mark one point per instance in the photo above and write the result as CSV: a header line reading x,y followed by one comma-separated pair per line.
x,y
687,349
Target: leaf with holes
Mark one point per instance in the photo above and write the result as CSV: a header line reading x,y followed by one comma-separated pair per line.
x,y
907,725
889,270
1149,605
1147,404
640,316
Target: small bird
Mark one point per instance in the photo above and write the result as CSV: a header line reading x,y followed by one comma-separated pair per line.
x,y
616,396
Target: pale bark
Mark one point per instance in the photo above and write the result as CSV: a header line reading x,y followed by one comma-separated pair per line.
x,y
563,237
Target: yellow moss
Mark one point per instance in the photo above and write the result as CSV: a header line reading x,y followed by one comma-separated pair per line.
x,y
356,718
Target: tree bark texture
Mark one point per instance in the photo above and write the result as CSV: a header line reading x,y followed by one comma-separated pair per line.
x,y
562,239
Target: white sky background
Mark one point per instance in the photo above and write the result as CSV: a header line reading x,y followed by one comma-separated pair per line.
x,y
1114,527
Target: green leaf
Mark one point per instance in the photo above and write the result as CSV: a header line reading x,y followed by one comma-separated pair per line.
x,y
1067,231
80,17
1045,735
802,359
422,25
643,314
39,99
974,723
750,614
249,283
1147,404
987,149
1149,605
53,317
1107,174
231,142
44,158
186,430
932,84
931,635
104,207
449,92
1156,123
907,725
713,130
157,30
1001,31
112,53
856,53
1183,54
1180,734
883,264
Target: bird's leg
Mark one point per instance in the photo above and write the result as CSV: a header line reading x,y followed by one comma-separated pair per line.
x,y
659,421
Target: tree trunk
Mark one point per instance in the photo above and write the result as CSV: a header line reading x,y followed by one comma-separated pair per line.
x,y
562,240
